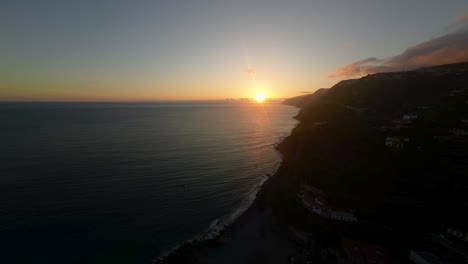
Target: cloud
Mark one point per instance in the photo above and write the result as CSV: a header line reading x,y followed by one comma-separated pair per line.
x,y
458,21
449,48
353,69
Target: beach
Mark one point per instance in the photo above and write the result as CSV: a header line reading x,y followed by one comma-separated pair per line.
x,y
255,237
299,132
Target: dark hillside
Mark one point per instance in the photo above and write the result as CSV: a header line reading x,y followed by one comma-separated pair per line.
x,y
304,100
340,146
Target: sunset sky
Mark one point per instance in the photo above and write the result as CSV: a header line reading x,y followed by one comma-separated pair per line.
x,y
115,50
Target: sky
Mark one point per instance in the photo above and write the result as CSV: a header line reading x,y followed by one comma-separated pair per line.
x,y
113,50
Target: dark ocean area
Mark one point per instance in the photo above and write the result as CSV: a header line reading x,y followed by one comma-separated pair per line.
x,y
126,182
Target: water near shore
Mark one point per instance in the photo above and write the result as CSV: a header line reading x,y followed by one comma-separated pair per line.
x,y
124,182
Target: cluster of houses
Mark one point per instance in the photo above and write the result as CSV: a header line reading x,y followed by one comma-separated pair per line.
x,y
454,243
458,132
455,232
454,134
396,142
404,121
357,251
314,200
456,92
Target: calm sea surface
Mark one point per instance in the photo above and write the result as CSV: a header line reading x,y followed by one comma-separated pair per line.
x,y
125,182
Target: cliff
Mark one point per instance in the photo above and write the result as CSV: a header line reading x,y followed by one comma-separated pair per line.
x,y
304,100
341,146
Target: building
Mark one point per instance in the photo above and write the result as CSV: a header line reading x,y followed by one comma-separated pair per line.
x,y
314,203
314,200
455,232
347,216
396,142
458,132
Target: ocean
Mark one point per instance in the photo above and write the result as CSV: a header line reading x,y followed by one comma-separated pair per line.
x,y
127,182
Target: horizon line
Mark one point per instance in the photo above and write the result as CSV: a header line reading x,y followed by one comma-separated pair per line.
x,y
136,101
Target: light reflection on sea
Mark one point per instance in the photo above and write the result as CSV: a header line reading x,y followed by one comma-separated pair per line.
x,y
122,182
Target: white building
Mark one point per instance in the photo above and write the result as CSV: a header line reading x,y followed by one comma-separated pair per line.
x,y
313,200
314,204
343,216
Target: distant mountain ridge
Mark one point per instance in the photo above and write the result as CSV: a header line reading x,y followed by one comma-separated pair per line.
x,y
343,146
374,90
302,100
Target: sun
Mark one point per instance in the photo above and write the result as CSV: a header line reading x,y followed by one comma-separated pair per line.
x,y
260,97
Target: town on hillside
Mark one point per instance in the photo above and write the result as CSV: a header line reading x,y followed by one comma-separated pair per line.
x,y
376,170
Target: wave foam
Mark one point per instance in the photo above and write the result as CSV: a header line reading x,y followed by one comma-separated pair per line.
x,y
218,224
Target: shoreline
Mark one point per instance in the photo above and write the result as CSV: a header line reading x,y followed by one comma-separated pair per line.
x,y
395,210
211,234
183,251
206,241
202,249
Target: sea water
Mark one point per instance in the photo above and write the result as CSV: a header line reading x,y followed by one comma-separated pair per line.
x,y
126,182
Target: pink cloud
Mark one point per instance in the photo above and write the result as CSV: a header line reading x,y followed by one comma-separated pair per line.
x,y
449,48
459,20
353,68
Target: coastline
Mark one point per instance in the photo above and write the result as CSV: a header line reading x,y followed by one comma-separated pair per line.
x,y
339,127
253,225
